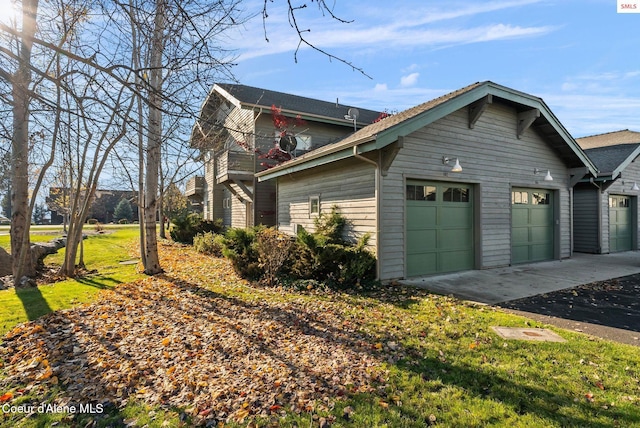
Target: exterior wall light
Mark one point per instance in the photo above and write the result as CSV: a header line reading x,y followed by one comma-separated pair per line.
x,y
547,177
456,166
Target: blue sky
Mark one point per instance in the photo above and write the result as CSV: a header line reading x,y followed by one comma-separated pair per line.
x,y
581,57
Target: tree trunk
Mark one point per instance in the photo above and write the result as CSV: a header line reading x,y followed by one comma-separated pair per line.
x,y
163,233
154,140
20,215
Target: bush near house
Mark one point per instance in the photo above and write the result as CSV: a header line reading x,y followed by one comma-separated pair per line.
x,y
271,257
185,227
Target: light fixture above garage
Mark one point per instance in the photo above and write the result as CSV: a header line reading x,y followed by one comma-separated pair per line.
x,y
456,166
634,188
547,177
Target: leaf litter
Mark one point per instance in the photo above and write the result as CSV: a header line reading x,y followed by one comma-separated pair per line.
x,y
167,341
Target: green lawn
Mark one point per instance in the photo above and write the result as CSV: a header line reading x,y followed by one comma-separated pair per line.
x,y
102,253
444,364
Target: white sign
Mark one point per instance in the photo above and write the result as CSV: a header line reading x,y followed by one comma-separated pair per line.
x,y
628,6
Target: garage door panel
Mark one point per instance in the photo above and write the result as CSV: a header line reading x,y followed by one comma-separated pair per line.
x,y
439,228
420,216
419,239
540,216
520,234
422,264
620,223
520,215
456,217
532,225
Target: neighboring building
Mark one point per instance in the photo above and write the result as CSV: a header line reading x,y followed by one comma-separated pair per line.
x,y
102,208
236,126
479,178
606,207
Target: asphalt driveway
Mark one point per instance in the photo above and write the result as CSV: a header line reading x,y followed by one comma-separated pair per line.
x,y
608,309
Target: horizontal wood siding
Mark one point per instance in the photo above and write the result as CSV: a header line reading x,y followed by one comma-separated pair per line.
x,y
630,175
585,218
349,184
265,203
492,157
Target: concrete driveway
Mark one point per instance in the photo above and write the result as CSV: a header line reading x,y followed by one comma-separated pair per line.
x,y
493,286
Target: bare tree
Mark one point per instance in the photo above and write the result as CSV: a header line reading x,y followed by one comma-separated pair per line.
x,y
159,59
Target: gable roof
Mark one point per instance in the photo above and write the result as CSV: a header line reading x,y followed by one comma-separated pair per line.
x,y
380,134
624,136
250,96
612,160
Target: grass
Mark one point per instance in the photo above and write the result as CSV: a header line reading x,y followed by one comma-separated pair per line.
x,y
452,370
102,253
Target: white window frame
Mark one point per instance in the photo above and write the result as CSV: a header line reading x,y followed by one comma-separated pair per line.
x,y
314,212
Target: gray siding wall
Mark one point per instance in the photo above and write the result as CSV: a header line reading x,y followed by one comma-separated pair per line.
x,y
630,175
348,184
492,157
586,198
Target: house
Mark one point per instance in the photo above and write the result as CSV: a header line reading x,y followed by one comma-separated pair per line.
x,y
241,129
606,206
479,178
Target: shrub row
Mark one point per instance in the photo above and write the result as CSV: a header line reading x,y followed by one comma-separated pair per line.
x,y
271,257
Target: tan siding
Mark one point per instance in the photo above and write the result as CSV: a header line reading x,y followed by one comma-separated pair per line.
x,y
490,154
350,185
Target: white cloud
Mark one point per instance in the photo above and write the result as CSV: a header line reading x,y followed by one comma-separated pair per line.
x,y
409,80
380,87
403,29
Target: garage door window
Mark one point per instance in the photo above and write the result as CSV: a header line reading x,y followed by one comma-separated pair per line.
x,y
540,198
619,202
421,193
455,194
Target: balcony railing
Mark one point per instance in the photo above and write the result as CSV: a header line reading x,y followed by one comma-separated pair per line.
x,y
232,165
195,186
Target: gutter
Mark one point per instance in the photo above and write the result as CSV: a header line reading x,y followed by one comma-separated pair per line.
x,y
378,197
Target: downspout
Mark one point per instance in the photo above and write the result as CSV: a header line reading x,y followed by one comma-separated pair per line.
x,y
378,203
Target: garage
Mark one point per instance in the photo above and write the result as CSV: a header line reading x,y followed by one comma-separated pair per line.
x,y
620,226
532,237
439,227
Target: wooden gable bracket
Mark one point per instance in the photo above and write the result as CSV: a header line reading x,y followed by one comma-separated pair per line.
x,y
477,108
577,174
248,195
388,154
526,119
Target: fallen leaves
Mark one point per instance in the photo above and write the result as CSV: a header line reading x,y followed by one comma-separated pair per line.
x,y
166,341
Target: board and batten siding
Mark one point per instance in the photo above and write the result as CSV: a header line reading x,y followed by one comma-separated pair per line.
x,y
349,185
586,223
494,160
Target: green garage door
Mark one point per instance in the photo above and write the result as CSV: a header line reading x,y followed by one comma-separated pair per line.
x,y
439,227
531,225
620,228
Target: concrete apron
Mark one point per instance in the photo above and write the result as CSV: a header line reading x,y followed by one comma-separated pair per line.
x,y
492,286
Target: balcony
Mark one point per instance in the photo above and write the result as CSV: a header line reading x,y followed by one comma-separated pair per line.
x,y
195,187
234,166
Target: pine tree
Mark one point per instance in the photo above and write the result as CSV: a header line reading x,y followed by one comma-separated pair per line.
x,y
123,210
